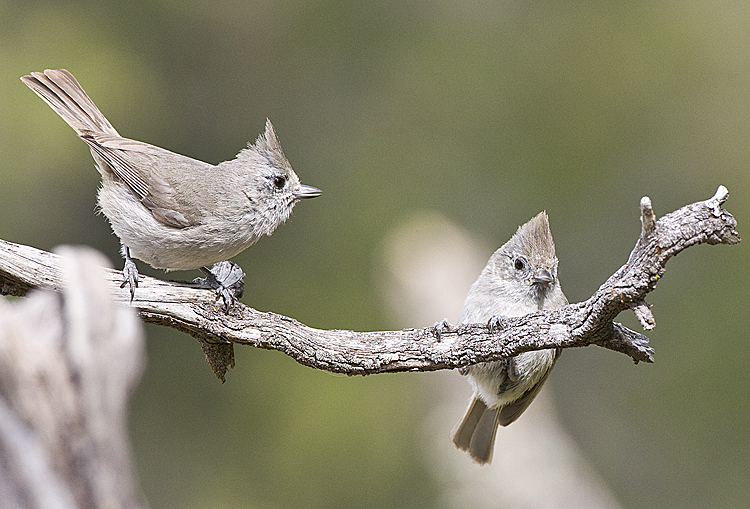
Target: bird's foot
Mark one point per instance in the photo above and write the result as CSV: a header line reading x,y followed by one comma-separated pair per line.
x,y
493,323
129,274
442,326
226,278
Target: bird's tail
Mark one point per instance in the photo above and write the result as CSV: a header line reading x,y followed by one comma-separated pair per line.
x,y
61,91
475,433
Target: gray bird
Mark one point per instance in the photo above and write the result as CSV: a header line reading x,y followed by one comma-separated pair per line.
x,y
169,210
520,278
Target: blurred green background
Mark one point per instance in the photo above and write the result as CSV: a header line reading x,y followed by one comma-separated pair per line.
x,y
487,112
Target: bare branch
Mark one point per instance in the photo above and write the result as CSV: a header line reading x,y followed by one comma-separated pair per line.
x,y
642,311
648,218
196,312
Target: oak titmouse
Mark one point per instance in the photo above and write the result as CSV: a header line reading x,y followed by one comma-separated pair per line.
x,y
169,210
520,278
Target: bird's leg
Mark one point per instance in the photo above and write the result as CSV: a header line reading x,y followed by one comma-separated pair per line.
x,y
226,278
442,326
493,323
129,273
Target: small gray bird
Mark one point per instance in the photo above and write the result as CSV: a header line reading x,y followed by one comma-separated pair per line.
x,y
520,278
169,210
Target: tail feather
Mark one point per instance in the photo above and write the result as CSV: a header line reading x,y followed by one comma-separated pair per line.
x,y
464,429
483,439
475,433
61,91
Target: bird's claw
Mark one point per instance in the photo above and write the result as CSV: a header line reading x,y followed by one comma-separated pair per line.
x,y
227,278
442,326
130,276
493,323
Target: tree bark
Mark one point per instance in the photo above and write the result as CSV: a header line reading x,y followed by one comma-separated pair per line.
x,y
197,311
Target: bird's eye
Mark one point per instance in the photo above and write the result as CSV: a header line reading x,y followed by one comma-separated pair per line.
x,y
279,181
519,264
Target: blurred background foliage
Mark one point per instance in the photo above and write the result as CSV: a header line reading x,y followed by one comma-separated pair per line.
x,y
484,111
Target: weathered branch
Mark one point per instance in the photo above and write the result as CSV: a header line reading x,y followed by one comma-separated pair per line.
x,y
196,312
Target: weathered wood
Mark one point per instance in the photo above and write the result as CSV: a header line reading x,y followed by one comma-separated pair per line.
x,y
69,361
198,313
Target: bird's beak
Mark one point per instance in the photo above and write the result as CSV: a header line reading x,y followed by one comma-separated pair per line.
x,y
306,192
543,276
